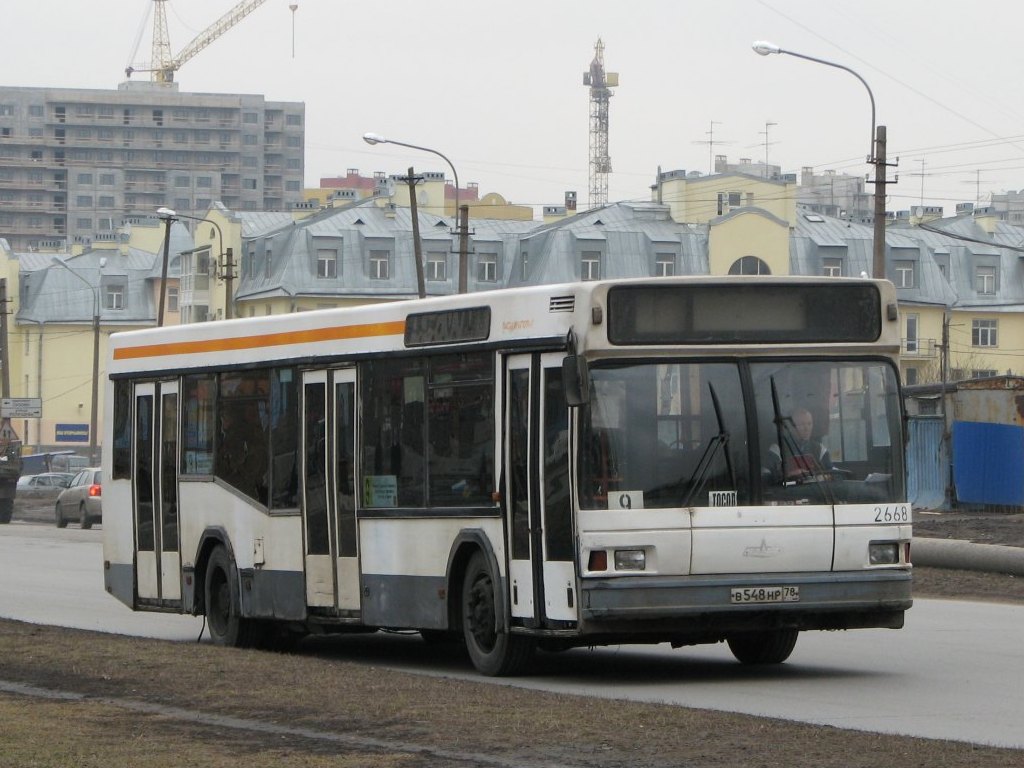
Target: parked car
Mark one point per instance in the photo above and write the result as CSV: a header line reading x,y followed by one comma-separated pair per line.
x,y
81,500
44,485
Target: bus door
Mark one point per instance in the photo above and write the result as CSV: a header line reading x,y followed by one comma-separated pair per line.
x,y
155,491
542,580
328,489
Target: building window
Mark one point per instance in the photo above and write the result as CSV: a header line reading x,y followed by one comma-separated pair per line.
x,y
525,261
727,201
904,274
172,299
107,179
911,341
590,265
268,263
84,201
832,267
85,178
487,266
911,376
326,263
664,264
985,373
985,280
380,263
293,119
749,265
984,333
113,297
437,266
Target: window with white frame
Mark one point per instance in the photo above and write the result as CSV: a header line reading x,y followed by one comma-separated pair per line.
x,y
113,297
380,265
984,333
268,263
749,265
983,373
985,279
590,265
832,267
487,267
172,299
664,264
904,274
437,266
912,342
326,263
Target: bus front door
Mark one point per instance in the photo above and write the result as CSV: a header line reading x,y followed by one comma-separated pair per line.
x,y
542,579
328,490
155,492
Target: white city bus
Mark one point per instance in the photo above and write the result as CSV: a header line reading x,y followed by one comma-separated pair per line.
x,y
683,460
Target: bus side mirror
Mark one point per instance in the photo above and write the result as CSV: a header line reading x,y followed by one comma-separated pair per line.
x,y
575,380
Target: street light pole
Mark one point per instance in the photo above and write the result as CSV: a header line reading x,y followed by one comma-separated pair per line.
x,y
876,153
94,395
460,228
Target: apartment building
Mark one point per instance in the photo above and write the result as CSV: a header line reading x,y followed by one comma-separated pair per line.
x,y
75,162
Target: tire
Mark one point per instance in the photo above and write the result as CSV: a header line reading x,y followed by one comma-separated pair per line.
x,y
58,518
83,517
223,604
768,647
493,654
6,510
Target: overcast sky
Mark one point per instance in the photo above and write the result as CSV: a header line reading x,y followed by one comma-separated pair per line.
x,y
497,86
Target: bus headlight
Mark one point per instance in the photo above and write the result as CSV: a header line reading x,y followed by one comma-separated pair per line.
x,y
630,560
883,553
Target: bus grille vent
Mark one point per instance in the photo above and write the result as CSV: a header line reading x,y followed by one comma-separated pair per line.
x,y
562,304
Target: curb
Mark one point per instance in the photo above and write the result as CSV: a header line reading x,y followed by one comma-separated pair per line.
x,y
967,556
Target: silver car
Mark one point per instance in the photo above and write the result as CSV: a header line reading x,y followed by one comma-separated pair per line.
x,y
82,500
44,485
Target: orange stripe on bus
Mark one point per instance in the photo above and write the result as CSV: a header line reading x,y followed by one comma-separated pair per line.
x,y
263,340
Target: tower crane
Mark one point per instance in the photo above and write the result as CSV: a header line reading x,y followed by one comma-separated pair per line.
x,y
601,84
163,65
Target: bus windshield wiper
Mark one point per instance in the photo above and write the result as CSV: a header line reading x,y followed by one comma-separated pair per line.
x,y
718,442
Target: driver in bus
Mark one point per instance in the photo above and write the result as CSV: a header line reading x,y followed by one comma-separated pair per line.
x,y
804,455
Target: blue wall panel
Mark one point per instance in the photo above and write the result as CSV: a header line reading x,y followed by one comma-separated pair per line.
x,y
988,460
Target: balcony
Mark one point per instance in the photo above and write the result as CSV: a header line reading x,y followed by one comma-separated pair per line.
x,y
919,349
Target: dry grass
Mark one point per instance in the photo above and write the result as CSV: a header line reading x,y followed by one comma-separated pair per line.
x,y
359,714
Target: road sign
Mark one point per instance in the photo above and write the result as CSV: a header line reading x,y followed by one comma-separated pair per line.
x,y
21,408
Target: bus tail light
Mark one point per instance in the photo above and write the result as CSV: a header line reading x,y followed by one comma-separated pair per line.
x,y
907,553
598,560
630,560
883,553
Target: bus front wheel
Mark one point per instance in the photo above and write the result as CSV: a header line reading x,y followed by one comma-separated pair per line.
x,y
493,653
223,604
768,647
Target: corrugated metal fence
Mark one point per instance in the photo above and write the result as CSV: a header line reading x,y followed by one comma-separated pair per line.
x,y
928,468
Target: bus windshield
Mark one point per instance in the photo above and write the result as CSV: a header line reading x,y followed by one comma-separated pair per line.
x,y
685,434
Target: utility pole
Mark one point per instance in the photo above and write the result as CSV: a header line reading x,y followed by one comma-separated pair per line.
x,y
878,252
412,180
5,355
463,214
229,284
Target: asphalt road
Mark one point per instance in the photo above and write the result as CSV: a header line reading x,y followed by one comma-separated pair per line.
x,y
954,672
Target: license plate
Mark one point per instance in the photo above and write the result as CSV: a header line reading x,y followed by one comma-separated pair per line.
x,y
780,594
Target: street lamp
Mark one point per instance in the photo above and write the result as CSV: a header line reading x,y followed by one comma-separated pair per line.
x,y
168,217
460,226
94,397
876,153
228,267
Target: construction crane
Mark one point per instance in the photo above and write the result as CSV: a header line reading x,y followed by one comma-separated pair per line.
x,y
600,83
163,66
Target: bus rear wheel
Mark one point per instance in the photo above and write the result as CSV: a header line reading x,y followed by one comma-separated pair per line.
x,y
768,647
493,653
223,604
